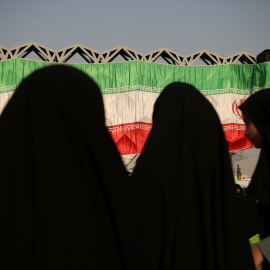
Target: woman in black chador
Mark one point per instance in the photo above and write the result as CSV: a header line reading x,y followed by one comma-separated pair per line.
x,y
185,181
256,114
63,184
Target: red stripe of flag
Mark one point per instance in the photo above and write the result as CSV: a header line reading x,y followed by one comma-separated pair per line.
x,y
235,137
130,138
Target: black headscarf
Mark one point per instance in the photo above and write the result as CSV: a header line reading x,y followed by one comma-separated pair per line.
x,y
63,186
185,180
257,108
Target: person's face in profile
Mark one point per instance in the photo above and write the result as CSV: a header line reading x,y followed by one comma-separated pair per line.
x,y
238,190
252,132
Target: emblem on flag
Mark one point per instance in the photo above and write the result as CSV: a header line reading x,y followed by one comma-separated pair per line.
x,y
235,109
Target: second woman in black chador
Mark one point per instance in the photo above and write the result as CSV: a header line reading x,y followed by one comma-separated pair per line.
x,y
186,187
256,113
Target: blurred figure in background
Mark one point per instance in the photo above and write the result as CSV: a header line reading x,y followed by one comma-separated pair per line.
x,y
239,174
186,187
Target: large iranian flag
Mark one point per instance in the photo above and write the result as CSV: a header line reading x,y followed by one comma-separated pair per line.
x,y
130,90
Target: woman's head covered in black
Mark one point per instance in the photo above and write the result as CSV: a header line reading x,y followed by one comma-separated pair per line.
x,y
256,111
185,180
63,183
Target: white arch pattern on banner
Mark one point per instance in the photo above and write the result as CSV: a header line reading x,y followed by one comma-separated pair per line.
x,y
92,56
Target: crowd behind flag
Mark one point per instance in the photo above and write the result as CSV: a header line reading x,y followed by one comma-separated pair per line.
x,y
130,90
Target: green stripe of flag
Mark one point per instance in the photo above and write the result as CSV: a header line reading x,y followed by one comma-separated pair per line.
x,y
151,77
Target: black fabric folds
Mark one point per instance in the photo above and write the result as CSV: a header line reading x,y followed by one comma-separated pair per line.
x,y
63,186
186,189
257,109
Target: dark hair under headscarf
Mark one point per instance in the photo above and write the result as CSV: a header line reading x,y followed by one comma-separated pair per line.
x,y
63,185
185,181
257,109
